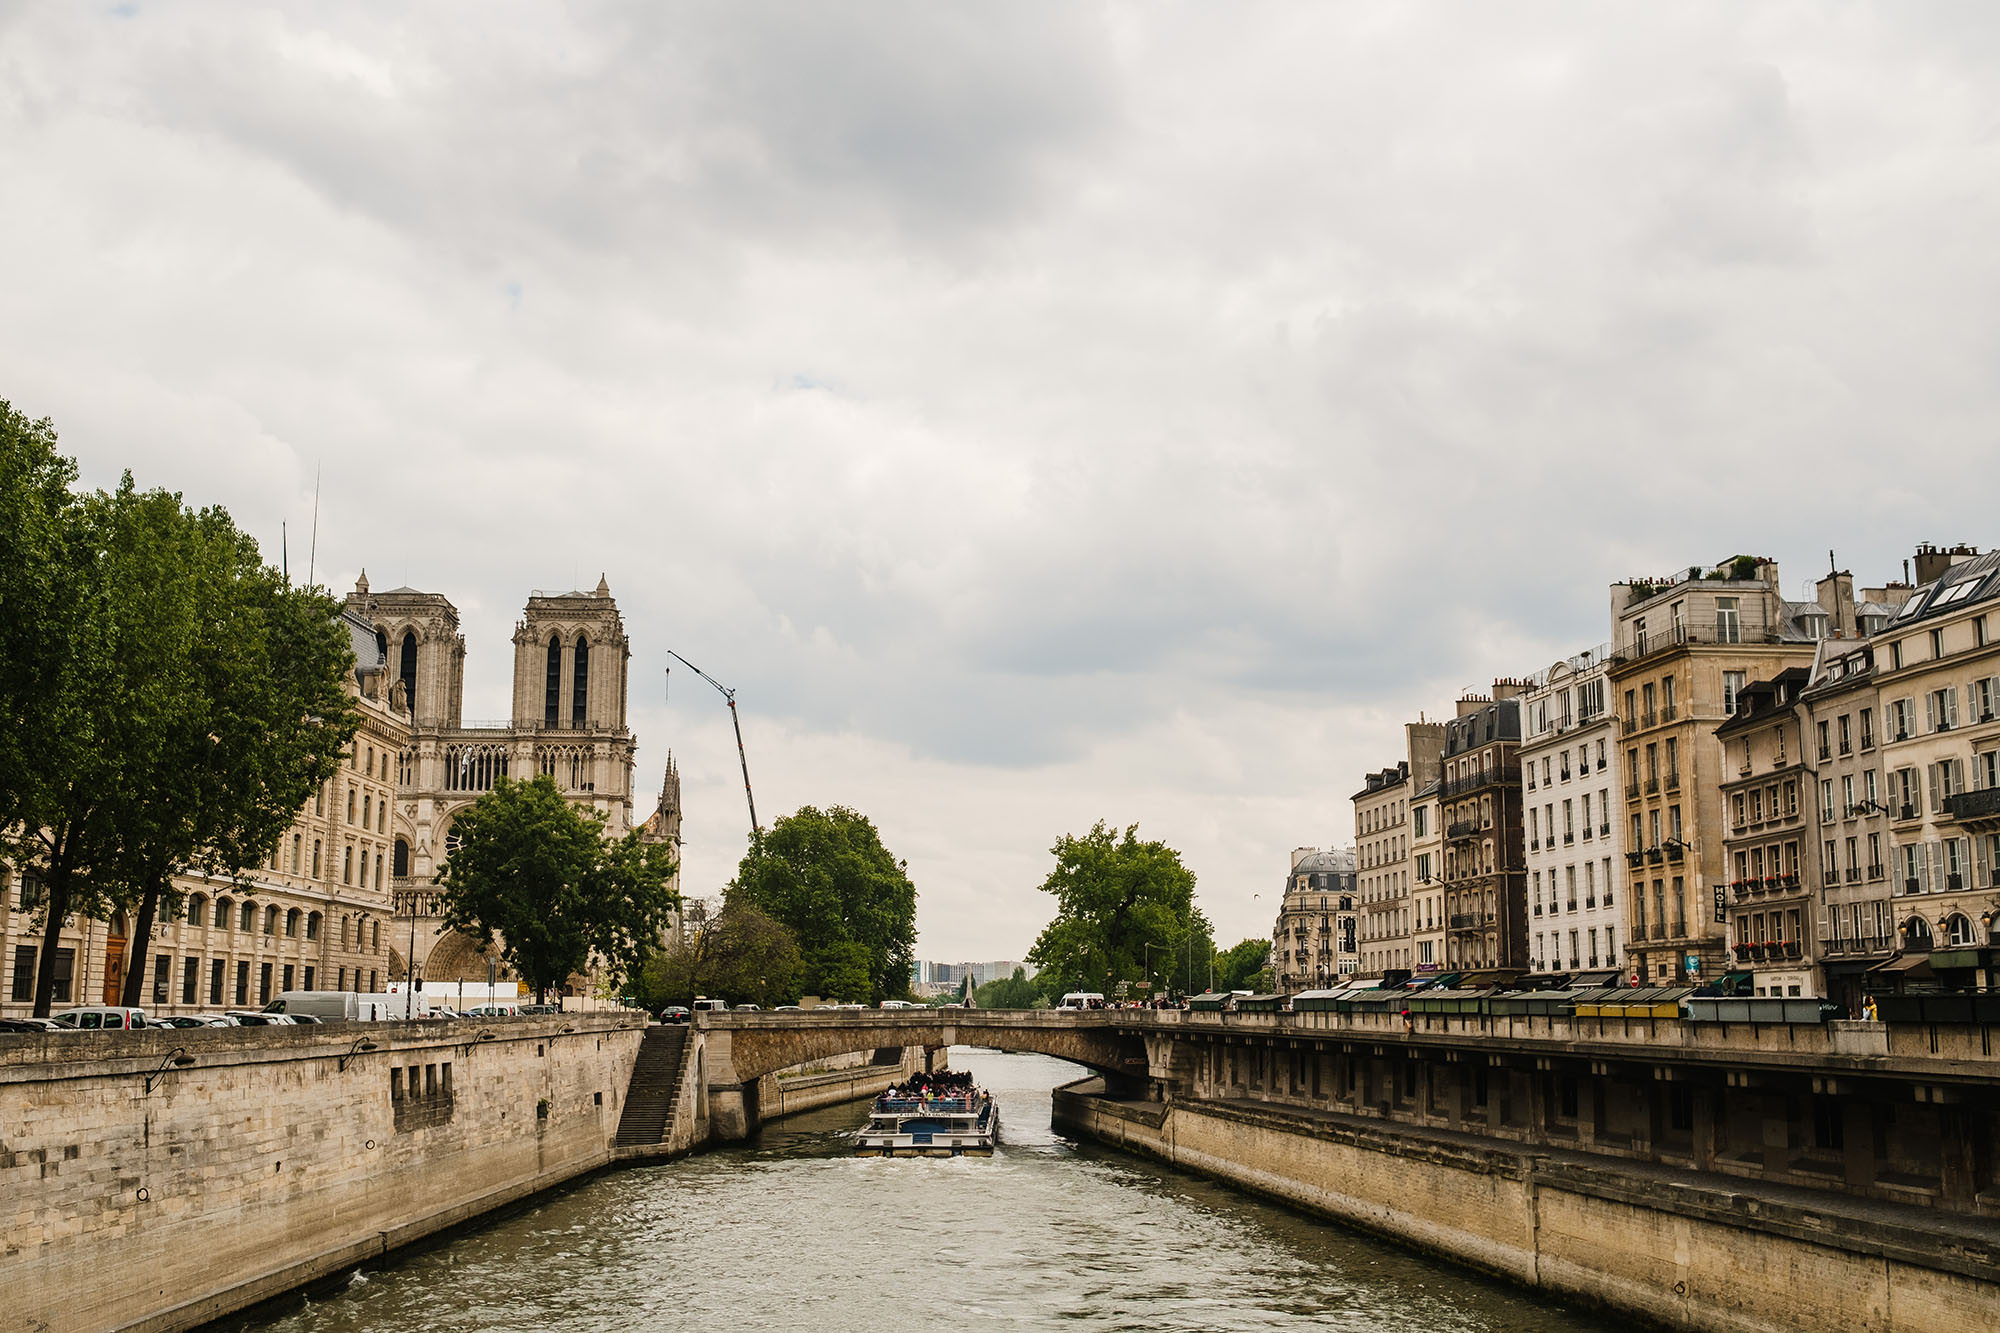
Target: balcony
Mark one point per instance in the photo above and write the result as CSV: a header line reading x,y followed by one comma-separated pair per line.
x,y
1846,748
1470,920
1534,844
1461,830
1874,872
1509,774
1825,753
1652,786
1648,719
1852,874
1862,944
1673,779
1974,805
1632,790
1568,838
1905,811
1668,712
1604,830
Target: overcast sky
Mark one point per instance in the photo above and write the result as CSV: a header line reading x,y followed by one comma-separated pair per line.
x,y
1041,413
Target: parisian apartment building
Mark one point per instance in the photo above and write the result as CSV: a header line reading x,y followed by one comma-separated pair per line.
x,y
1794,797
1485,868
1383,844
1575,835
1313,943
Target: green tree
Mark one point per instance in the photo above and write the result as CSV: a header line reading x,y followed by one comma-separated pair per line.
x,y
179,706
38,603
239,739
1124,912
848,902
740,955
1015,992
1240,966
535,870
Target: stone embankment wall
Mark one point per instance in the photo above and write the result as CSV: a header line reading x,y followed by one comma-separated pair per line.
x,y
858,1077
1677,1249
278,1155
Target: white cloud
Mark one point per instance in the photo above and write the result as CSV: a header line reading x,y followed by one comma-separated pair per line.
x,y
1041,413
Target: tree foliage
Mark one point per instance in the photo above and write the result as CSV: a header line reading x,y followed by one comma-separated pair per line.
x,y
740,955
1124,912
848,902
535,871
169,701
1242,966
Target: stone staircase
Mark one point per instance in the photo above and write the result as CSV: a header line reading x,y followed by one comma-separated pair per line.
x,y
649,1099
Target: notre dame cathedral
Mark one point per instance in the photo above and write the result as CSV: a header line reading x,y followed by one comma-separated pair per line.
x,y
571,666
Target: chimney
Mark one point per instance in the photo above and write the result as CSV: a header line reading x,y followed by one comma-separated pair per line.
x,y
1836,598
1767,570
1301,853
1471,704
1507,687
1931,562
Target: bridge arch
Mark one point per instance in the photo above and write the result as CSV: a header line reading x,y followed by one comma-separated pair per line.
x,y
759,1044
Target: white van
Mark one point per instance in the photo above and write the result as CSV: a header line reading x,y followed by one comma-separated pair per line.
x,y
1082,999
336,1006
94,1017
703,1004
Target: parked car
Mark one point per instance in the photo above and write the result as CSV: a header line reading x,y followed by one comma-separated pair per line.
x,y
257,1018
445,1011
541,1008
91,1017
788,1009
746,1008
675,1013
26,1024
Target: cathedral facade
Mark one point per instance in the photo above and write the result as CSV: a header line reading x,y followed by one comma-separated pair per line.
x,y
568,722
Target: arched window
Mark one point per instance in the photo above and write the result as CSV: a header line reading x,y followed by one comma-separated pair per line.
x,y
350,805
401,865
247,919
315,858
579,690
298,842
224,915
378,870
271,920
197,910
408,668
347,865
368,806
1958,931
474,767
1917,935
375,937
312,925
382,645
552,697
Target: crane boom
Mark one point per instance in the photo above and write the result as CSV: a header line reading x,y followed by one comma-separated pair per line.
x,y
756,829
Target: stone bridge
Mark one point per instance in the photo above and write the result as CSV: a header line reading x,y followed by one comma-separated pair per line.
x,y
736,1050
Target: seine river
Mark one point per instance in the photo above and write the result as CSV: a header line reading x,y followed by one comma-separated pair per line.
x,y
790,1232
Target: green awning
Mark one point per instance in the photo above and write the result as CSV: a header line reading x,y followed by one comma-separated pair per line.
x,y
1960,957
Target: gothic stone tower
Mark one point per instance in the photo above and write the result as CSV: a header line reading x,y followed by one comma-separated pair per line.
x,y
570,666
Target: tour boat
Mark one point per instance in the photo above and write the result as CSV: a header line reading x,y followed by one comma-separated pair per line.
x,y
913,1120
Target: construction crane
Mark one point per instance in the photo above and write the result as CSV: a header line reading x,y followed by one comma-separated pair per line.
x,y
756,829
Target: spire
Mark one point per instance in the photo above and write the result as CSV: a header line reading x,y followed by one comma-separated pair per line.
x,y
361,585
603,588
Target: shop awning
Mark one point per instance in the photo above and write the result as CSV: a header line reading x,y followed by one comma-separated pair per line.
x,y
1910,964
1943,958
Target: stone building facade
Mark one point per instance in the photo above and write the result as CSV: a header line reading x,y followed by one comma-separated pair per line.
x,y
1485,871
315,915
1313,942
1382,850
1575,841
1937,674
347,900
1683,648
568,722
1856,925
1427,916
1771,826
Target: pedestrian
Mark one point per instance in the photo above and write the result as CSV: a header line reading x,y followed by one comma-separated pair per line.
x,y
1868,1010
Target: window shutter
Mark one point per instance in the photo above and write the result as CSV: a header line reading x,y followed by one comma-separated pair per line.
x,y
1950,697
1930,711
1981,861
1933,774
